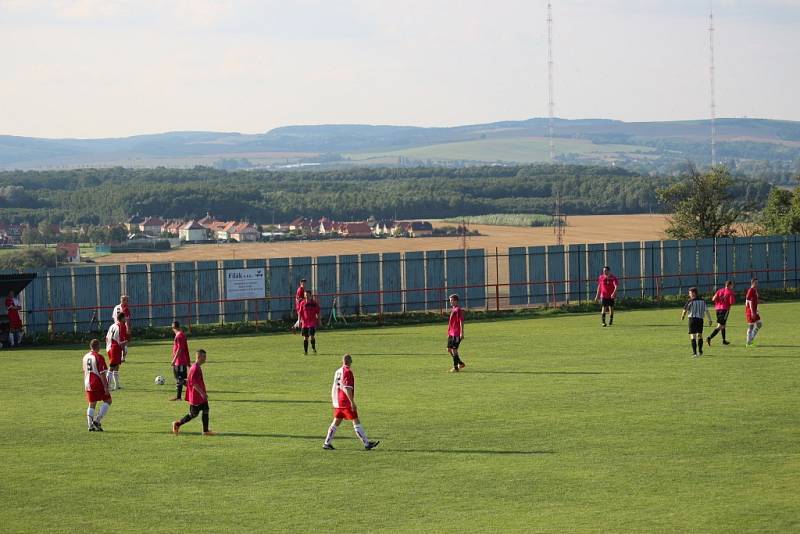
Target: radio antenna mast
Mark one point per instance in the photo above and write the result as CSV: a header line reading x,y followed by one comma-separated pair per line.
x,y
711,78
550,105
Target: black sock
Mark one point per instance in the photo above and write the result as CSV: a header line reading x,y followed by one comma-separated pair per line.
x,y
611,318
314,344
700,345
694,346
186,418
305,346
455,361
179,389
205,421
714,333
723,335
603,315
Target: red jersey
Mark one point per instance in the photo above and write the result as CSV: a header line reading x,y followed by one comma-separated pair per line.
x,y
456,322
342,378
94,368
195,383
180,350
607,285
299,297
123,332
724,299
752,299
115,336
13,306
309,314
123,309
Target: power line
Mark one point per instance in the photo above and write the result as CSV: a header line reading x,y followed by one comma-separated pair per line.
x,y
550,104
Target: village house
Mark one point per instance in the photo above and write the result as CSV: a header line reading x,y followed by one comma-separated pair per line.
x,y
10,234
71,250
133,222
354,229
193,231
243,232
421,229
151,226
172,227
383,227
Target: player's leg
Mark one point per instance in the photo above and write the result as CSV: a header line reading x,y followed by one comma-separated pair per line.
x,y
750,328
699,339
362,435
90,415
193,412
328,444
313,337
206,411
611,315
110,377
305,344
101,413
757,327
603,309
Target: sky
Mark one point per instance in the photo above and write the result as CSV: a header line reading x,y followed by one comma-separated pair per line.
x,y
105,68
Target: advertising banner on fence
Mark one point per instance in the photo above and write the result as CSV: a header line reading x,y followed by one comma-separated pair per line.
x,y
244,283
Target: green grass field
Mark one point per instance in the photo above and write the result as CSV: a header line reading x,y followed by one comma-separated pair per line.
x,y
556,425
512,149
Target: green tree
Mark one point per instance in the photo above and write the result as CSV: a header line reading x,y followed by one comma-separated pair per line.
x,y
701,205
781,215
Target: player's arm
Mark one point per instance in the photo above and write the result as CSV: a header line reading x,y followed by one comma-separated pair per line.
x,y
597,294
201,391
351,395
614,293
683,313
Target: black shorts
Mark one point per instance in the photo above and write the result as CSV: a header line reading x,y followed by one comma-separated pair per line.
x,y
195,409
308,332
453,342
722,317
180,371
607,303
695,325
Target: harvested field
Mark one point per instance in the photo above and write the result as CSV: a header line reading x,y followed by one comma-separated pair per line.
x,y
581,229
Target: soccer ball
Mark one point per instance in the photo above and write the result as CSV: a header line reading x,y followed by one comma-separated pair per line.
x,y
160,380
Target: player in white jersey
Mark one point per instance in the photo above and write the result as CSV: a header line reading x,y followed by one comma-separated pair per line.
x,y
123,308
116,339
343,393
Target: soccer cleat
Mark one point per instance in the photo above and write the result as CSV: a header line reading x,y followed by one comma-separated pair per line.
x,y
604,325
97,426
210,433
175,399
724,342
92,428
176,427
694,355
328,447
315,350
371,445
461,365
708,341
454,370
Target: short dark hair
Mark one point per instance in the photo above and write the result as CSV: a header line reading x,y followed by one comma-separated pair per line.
x,y
302,279
200,351
693,290
120,316
94,344
176,324
728,283
453,296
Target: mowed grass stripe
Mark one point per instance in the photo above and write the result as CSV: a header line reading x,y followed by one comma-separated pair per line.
x,y
555,425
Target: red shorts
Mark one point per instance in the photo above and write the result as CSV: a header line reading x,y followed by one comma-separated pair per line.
x,y
751,317
115,355
14,322
97,396
345,413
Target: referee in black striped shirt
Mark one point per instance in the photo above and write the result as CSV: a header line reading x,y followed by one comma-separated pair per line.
x,y
696,308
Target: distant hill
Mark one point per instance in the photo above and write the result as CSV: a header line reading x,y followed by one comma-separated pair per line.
x,y
763,148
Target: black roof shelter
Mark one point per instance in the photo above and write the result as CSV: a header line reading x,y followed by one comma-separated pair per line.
x,y
16,282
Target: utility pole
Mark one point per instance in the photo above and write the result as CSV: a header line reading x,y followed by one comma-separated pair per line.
x,y
711,78
550,104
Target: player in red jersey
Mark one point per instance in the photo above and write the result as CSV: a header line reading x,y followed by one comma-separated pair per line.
x,y
343,396
13,306
751,312
196,395
123,307
180,359
455,333
116,339
723,299
299,297
309,321
606,293
96,386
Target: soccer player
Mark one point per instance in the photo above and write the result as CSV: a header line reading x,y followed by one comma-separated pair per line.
x,y
723,299
116,339
696,308
299,297
13,306
751,314
96,385
455,333
309,321
606,293
123,307
196,395
180,359
343,395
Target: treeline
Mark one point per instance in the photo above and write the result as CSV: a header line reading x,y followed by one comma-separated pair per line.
x,y
107,196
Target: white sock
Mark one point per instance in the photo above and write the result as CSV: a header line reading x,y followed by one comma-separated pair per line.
x,y
750,334
756,329
110,379
117,383
102,411
19,338
90,415
361,434
11,339
331,433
